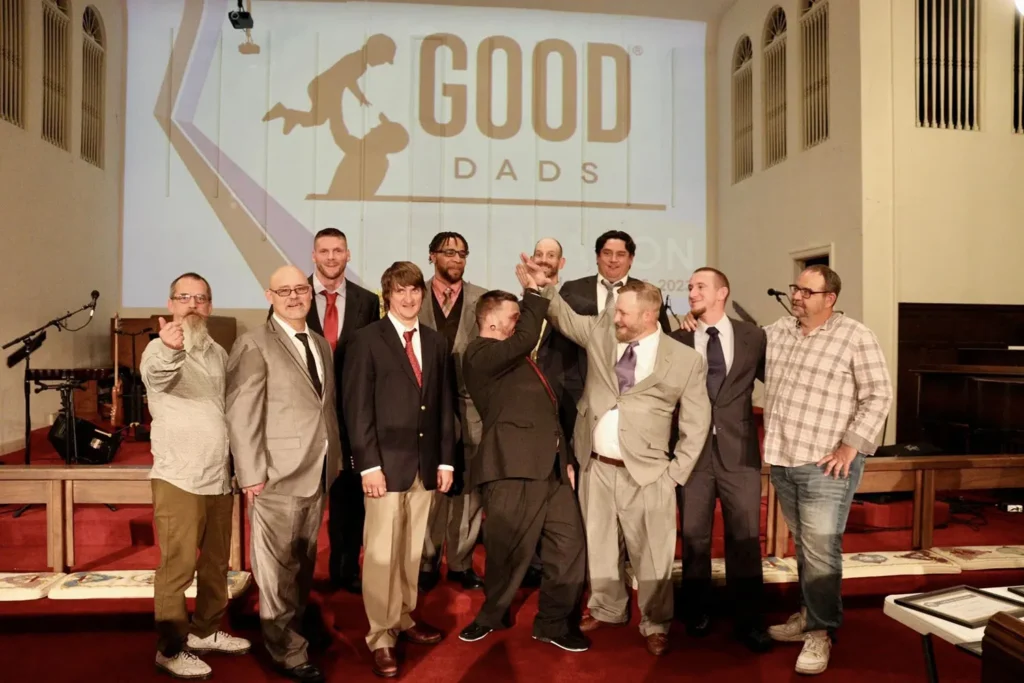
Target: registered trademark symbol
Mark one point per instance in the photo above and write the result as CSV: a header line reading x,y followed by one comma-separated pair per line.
x,y
637,50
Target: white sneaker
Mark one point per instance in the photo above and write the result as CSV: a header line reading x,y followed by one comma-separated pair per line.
x,y
813,658
790,632
219,642
183,665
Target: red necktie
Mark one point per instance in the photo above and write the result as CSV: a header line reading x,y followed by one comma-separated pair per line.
x,y
543,379
331,319
411,353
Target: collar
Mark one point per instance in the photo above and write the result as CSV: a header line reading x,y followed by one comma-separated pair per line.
x,y
318,287
724,326
650,340
438,287
833,321
400,327
288,329
602,278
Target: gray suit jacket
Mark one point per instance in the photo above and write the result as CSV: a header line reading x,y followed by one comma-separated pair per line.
x,y
733,410
645,411
469,428
276,422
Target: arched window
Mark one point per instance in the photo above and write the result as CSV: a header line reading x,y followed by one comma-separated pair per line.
x,y
814,68
775,87
93,86
742,110
12,61
55,72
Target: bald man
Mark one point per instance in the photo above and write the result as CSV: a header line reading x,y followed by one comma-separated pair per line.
x,y
283,430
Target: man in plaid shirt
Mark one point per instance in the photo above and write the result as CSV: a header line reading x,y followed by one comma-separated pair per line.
x,y
827,396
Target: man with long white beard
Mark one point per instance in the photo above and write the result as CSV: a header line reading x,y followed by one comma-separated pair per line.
x,y
184,374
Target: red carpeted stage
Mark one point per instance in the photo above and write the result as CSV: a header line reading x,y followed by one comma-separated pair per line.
x,y
112,640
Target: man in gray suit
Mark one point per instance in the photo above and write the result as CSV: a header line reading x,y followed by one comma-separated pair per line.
x,y
449,307
637,377
283,430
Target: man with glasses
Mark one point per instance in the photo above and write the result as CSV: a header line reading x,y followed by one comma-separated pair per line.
x,y
455,516
283,425
827,395
183,371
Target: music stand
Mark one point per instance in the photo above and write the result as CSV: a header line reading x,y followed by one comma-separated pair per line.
x,y
139,431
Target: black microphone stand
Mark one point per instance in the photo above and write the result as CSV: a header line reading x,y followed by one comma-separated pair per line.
x,y
31,341
139,432
778,297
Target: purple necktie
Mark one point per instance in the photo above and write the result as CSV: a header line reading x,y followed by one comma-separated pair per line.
x,y
625,369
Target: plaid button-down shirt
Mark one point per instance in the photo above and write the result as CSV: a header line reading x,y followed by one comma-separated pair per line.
x,y
827,388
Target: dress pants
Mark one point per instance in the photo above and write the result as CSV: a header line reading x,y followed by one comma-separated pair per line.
x,y
186,522
454,521
283,541
740,493
395,526
519,512
345,525
616,512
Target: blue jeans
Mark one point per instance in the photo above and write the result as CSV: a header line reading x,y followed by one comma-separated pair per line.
x,y
816,508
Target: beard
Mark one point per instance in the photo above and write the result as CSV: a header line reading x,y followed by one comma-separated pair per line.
x,y
195,329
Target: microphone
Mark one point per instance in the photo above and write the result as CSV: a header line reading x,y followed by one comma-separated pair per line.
x,y
778,297
92,304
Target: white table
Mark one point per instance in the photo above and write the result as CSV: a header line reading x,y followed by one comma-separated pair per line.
x,y
929,626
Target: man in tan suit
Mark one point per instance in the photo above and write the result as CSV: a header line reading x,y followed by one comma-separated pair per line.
x,y
449,307
284,437
637,376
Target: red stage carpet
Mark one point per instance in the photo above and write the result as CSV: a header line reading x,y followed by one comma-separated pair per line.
x,y
112,640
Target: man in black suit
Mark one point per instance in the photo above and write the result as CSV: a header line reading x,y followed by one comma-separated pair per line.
x,y
590,295
401,422
729,467
340,307
525,473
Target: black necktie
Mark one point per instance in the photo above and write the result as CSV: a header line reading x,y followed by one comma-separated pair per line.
x,y
716,363
311,363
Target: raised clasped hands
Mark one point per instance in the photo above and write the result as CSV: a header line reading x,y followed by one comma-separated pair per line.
x,y
530,275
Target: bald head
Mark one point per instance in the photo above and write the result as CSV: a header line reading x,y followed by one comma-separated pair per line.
x,y
548,255
291,296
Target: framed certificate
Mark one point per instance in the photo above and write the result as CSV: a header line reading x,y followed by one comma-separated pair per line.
x,y
962,605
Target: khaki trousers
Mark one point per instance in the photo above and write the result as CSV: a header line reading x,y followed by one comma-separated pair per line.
x,y
617,512
393,546
186,522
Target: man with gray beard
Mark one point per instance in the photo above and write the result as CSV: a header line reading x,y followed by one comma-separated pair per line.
x,y
184,374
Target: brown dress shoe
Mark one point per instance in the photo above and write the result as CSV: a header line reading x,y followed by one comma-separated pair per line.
x,y
657,644
384,664
422,634
589,623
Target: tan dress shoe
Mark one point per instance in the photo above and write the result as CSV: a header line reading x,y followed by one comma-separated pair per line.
x,y
657,644
589,623
422,634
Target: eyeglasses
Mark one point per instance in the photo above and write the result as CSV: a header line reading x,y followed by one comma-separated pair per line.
x,y
452,253
804,292
285,292
185,298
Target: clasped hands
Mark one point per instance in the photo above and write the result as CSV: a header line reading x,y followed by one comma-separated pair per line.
x,y
375,486
530,275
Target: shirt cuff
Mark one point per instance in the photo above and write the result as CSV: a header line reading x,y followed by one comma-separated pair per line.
x,y
372,469
446,467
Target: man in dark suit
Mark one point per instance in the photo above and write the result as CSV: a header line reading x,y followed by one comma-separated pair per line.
x,y
525,473
590,295
340,307
401,421
729,466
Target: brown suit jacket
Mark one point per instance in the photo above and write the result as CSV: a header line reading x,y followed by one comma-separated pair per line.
x,y
276,422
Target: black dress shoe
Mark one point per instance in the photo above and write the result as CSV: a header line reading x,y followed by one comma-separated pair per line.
x,y
474,632
699,626
305,672
352,584
428,580
755,638
468,579
534,576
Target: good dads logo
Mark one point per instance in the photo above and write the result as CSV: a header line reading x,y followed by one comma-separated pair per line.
x,y
496,120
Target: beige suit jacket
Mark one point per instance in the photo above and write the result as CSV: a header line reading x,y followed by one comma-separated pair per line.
x,y
645,411
276,422
470,427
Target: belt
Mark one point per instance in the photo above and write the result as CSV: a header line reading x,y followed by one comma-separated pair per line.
x,y
607,461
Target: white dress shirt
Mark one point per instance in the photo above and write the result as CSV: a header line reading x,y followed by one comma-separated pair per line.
x,y
297,343
602,291
417,349
606,433
321,302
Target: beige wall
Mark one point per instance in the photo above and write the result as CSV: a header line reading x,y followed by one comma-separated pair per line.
x,y
810,200
61,223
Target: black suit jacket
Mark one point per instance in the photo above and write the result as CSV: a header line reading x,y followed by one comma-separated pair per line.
x,y
581,295
362,307
392,422
732,411
521,429
559,359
